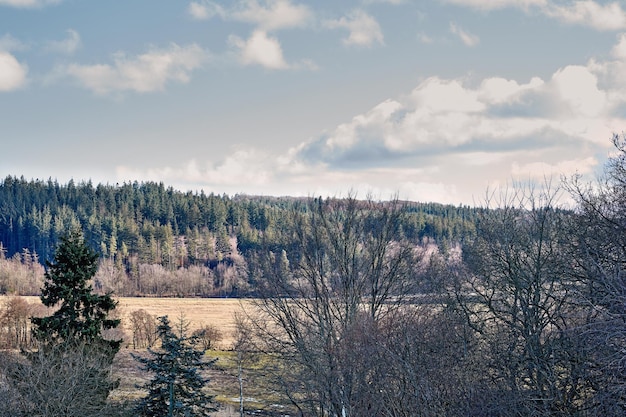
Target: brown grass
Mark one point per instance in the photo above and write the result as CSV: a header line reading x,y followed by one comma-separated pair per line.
x,y
218,312
198,312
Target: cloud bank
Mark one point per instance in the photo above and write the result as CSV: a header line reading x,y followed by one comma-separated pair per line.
x,y
590,13
447,140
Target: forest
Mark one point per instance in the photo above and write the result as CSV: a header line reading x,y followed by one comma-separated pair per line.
x,y
156,241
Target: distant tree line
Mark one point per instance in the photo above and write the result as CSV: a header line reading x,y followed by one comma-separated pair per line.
x,y
153,240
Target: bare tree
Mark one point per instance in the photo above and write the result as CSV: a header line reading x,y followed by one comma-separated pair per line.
x,y
208,336
15,321
600,252
144,328
65,380
518,295
350,270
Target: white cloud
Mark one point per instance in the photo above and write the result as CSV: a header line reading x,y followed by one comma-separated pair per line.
x,y
66,46
608,16
497,4
539,170
205,10
467,38
589,13
446,141
8,43
144,73
28,3
364,29
551,119
577,87
260,49
272,14
12,72
243,166
619,50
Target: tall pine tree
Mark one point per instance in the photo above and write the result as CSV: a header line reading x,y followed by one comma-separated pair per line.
x,y
176,388
82,315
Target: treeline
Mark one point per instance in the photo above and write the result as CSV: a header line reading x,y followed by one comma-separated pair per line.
x,y
154,240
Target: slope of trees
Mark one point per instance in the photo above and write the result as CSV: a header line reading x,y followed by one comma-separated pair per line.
x,y
154,240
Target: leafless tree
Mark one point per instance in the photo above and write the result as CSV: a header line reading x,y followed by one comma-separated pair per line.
x,y
350,271
144,328
65,380
518,295
208,336
599,244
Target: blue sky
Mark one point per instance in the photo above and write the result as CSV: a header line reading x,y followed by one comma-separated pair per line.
x,y
433,100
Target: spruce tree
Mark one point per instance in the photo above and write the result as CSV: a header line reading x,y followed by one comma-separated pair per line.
x,y
176,388
82,315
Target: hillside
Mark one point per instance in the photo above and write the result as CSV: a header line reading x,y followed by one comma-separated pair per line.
x,y
154,240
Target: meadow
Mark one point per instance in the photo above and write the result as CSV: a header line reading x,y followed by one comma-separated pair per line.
x,y
218,312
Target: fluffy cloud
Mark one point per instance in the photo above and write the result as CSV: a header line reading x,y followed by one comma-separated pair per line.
x,y
244,166
266,15
144,73
12,72
541,126
66,46
467,38
205,10
447,140
260,49
619,50
539,170
363,29
589,13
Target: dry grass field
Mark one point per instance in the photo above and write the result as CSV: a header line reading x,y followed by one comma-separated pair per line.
x,y
218,312
198,312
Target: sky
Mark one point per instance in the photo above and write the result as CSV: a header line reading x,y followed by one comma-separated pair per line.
x,y
427,100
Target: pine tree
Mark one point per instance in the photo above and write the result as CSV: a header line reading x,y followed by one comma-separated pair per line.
x,y
82,315
176,388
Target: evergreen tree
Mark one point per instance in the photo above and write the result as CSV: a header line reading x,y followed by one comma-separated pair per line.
x,y
176,388
82,315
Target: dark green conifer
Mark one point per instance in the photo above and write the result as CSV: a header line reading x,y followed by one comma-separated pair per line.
x,y
177,386
82,315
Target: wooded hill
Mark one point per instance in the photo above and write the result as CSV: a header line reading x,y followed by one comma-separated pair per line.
x,y
154,240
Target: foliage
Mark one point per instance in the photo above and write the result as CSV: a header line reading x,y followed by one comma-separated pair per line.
x,y
176,388
82,314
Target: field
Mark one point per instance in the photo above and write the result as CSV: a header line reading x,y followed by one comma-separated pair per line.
x,y
218,312
198,312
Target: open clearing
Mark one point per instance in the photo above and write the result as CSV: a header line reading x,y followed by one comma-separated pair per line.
x,y
219,312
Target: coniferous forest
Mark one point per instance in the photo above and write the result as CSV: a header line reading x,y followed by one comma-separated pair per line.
x,y
154,240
